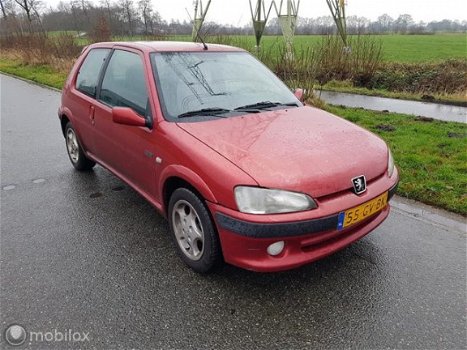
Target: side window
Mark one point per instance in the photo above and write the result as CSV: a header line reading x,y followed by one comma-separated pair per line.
x,y
124,82
88,74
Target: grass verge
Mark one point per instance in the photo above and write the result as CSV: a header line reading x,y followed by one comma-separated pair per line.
x,y
40,74
431,155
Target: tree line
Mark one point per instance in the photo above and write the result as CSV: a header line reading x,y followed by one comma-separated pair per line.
x,y
140,17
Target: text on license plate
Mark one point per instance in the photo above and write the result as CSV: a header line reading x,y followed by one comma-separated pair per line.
x,y
357,214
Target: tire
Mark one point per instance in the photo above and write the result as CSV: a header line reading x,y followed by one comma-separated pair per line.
x,y
193,232
75,151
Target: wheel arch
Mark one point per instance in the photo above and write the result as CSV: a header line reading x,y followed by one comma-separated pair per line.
x,y
65,117
174,177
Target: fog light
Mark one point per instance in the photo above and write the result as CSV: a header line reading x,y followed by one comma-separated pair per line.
x,y
276,248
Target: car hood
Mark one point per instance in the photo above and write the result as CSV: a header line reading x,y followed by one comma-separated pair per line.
x,y
298,149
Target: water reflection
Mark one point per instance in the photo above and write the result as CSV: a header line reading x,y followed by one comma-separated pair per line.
x,y
426,109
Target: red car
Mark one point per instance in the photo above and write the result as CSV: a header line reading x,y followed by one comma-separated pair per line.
x,y
244,172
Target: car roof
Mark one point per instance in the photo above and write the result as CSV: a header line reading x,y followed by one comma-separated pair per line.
x,y
167,46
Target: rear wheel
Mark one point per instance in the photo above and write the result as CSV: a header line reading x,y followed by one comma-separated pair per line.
x,y
193,231
75,152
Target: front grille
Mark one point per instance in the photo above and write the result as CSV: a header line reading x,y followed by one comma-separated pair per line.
x,y
335,195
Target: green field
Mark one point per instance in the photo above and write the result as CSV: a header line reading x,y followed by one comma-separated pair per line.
x,y
396,48
410,48
420,48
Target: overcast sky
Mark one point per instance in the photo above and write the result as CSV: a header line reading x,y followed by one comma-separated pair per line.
x,y
237,11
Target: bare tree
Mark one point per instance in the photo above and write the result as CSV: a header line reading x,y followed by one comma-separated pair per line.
x,y
107,4
146,10
357,25
24,4
403,22
155,18
35,6
128,12
31,9
386,22
134,16
3,9
84,6
75,14
80,11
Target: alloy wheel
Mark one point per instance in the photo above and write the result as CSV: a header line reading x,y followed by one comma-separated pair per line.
x,y
188,230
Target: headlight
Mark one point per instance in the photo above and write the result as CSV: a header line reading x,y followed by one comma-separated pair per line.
x,y
254,200
390,164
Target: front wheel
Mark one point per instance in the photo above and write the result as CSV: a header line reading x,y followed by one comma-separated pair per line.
x,y
75,152
193,231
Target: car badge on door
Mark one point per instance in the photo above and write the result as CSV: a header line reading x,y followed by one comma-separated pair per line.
x,y
359,184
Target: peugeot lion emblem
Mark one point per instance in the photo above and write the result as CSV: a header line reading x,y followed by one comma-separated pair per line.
x,y
359,184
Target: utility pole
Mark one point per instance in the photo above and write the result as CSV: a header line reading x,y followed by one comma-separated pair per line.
x,y
259,16
200,15
288,21
337,8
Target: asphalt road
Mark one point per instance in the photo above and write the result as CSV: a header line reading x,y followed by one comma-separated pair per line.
x,y
82,251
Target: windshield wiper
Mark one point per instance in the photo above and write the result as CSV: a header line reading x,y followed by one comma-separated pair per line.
x,y
214,112
265,105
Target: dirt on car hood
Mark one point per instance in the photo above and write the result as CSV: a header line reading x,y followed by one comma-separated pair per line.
x,y
299,149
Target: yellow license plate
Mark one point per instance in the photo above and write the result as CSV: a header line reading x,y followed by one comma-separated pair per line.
x,y
355,215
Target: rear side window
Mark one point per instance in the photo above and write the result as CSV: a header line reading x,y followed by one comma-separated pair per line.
x,y
124,82
88,75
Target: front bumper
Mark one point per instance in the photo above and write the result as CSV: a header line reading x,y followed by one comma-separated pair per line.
x,y
244,242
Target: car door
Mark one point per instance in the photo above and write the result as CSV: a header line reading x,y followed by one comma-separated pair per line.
x,y
82,99
126,150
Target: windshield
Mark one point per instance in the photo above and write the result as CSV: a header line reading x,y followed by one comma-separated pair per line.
x,y
215,84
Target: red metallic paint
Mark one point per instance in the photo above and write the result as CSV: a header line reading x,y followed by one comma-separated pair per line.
x,y
327,205
250,253
127,116
299,149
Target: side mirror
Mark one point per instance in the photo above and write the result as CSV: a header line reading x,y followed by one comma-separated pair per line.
x,y
299,94
127,116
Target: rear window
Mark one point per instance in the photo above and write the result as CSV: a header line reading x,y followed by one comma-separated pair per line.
x,y
88,75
